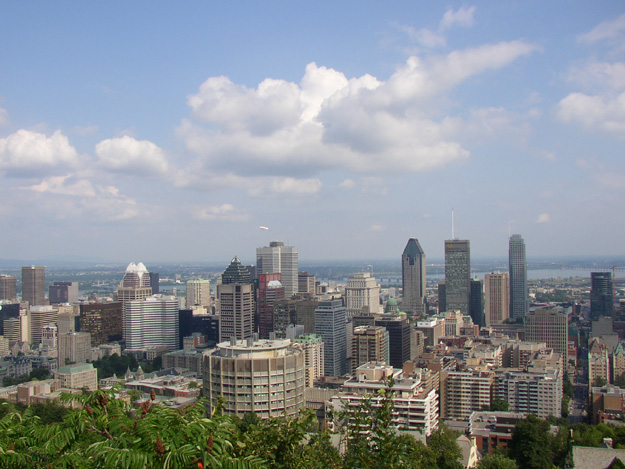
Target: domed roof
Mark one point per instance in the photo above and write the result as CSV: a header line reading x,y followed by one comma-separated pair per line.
x,y
274,284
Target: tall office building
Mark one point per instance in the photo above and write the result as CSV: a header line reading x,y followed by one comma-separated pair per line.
x,y
369,344
398,329
476,310
413,277
269,291
136,284
33,285
41,316
312,347
155,279
74,347
199,293
236,273
151,322
549,326
103,321
282,259
362,291
8,287
457,275
236,302
306,283
517,265
63,292
497,306
330,325
8,311
601,295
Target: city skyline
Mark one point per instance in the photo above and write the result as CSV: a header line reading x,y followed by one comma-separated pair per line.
x,y
317,125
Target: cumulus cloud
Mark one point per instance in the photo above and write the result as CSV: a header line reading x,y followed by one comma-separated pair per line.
x,y
543,218
432,39
599,74
59,185
594,112
329,122
28,153
224,212
128,155
347,184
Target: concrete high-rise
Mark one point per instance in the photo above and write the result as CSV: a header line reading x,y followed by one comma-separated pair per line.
x,y
549,326
601,295
74,347
306,283
198,293
152,322
497,305
63,292
457,275
398,329
517,265
33,285
362,291
413,277
269,291
476,309
136,284
278,258
236,306
330,325
8,287
369,344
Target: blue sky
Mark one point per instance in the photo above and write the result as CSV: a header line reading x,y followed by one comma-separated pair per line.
x,y
156,131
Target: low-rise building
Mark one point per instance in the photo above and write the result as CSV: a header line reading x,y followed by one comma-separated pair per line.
x,y
78,376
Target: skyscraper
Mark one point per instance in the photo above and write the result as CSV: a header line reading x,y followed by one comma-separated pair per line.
x,y
235,297
476,310
330,325
198,293
33,281
63,292
369,344
362,291
413,277
103,321
8,287
136,284
518,277
549,326
601,295
270,290
152,322
497,301
398,329
457,275
278,258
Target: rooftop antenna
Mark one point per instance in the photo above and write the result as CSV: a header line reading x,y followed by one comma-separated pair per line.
x,y
452,224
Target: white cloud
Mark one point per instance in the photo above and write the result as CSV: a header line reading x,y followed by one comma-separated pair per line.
x,y
347,184
57,185
608,30
601,74
329,122
224,212
127,155
594,112
461,17
543,218
27,153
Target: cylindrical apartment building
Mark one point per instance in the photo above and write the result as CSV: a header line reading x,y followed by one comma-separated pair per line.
x,y
262,376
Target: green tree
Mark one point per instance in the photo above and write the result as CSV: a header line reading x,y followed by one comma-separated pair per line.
x,y
39,373
499,405
530,445
443,444
497,461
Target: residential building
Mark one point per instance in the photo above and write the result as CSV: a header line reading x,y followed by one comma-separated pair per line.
x,y
608,403
306,283
618,366
330,325
415,408
598,363
549,326
265,377
362,293
432,330
413,276
537,392
33,285
517,266
497,305
457,275
278,258
493,430
464,392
